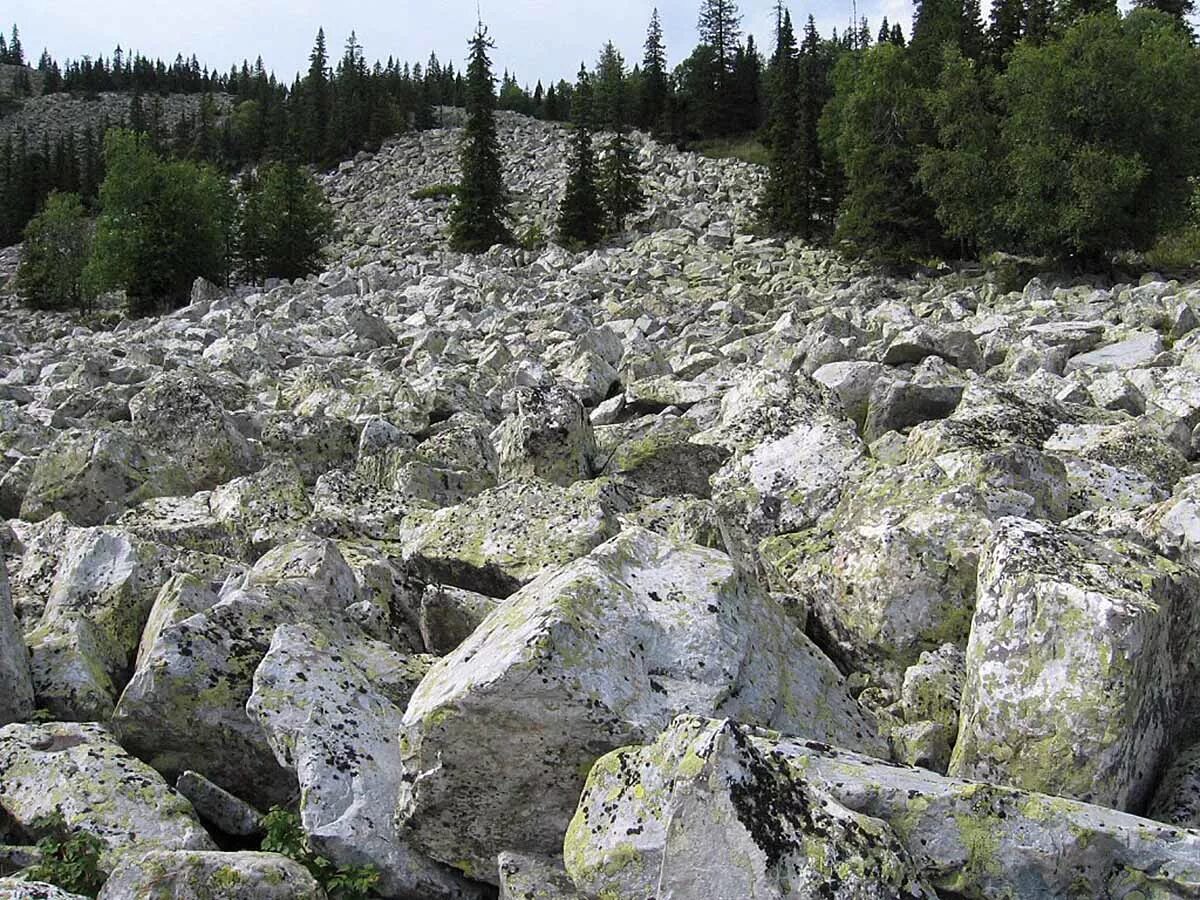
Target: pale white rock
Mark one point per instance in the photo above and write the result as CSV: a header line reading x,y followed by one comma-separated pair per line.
x,y
585,659
331,712
548,436
82,772
1080,666
1132,353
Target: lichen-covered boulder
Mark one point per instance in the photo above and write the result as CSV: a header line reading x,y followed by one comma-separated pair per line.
x,y
180,598
1177,799
704,812
219,809
180,416
82,772
84,647
92,475
507,536
547,436
20,889
16,686
656,457
587,658
932,689
995,843
331,712
185,707
524,877
785,484
190,875
1081,667
891,573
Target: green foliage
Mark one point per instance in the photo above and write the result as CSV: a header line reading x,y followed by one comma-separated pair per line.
x,y
286,222
580,214
1101,136
960,171
442,191
284,835
1180,248
70,860
478,216
54,253
163,224
877,123
750,150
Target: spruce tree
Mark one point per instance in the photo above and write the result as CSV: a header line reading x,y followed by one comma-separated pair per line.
x,y
1004,30
1180,9
785,199
620,177
580,216
478,216
898,35
714,91
654,74
16,54
885,32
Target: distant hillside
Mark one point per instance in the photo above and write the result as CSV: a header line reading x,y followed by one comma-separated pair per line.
x,y
9,80
56,115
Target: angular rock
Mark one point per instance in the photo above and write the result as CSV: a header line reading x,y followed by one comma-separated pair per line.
x,y
580,661
548,436
1081,668
230,815
331,713
704,812
82,772
16,686
1177,799
524,877
1131,353
506,537
201,875
20,889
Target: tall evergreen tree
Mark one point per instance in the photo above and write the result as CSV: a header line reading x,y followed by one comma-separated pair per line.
x,y
1004,29
746,89
940,22
16,53
1180,9
784,203
580,216
714,94
478,216
620,178
654,74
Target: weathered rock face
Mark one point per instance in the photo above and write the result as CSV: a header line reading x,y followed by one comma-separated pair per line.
x,y
83,773
20,889
585,659
704,812
189,874
1082,665
497,458
16,686
331,713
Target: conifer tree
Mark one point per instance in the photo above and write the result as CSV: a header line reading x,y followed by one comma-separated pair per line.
x,y
1180,9
1004,30
16,54
620,177
654,74
478,217
898,35
784,202
714,94
885,32
1038,24
580,216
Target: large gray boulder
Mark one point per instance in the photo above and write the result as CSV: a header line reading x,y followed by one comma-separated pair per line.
x,y
1082,665
331,712
192,875
583,660
704,812
84,774
507,536
20,889
185,707
16,686
548,435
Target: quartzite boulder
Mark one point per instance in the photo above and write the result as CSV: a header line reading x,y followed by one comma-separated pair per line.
x,y
184,875
16,687
1082,668
585,659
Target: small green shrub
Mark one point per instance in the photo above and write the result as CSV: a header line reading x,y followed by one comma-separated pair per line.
x,y
285,836
69,860
435,192
749,150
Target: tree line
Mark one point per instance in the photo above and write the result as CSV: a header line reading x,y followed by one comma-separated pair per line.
x,y
1065,129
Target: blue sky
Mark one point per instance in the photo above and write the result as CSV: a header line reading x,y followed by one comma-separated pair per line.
x,y
535,38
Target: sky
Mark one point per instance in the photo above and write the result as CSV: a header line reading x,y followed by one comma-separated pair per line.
x,y
544,39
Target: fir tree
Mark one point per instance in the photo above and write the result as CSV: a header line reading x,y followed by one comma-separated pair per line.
x,y
898,35
620,178
1180,9
16,54
580,216
478,215
885,32
784,204
712,89
1004,29
654,74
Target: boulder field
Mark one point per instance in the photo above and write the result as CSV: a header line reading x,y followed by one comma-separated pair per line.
x,y
701,566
